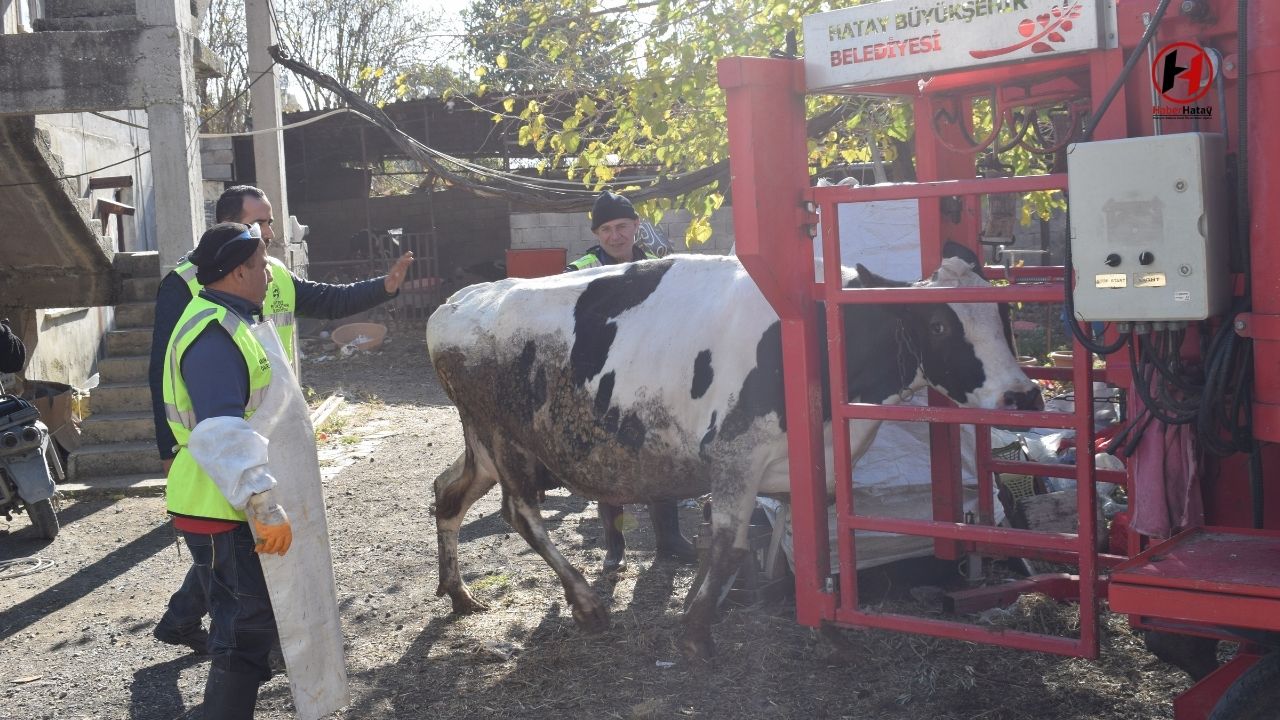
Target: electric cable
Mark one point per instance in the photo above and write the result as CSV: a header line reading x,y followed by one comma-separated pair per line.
x,y
1092,123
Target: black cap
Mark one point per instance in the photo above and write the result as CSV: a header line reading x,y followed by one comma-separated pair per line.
x,y
223,248
611,206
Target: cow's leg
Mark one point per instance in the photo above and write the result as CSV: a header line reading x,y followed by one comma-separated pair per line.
x,y
456,489
730,516
520,508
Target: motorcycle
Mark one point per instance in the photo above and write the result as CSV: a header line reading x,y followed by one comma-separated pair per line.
x,y
28,464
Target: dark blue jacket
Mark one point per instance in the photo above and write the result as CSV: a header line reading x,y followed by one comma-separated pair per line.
x,y
213,367
315,300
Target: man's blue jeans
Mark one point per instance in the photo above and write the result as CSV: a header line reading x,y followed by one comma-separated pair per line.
x,y
242,626
187,606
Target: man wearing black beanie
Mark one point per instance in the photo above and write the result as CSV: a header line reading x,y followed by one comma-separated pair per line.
x,y
614,221
287,296
216,375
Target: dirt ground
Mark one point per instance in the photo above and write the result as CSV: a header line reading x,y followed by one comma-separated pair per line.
x,y
75,636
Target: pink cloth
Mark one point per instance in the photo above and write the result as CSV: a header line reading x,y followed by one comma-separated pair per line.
x,y
1166,481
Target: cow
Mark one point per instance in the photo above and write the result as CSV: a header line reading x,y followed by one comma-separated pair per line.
x,y
663,379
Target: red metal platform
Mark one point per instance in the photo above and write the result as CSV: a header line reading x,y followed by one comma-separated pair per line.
x,y
1219,576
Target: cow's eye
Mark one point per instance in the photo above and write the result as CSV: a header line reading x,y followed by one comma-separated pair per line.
x,y
938,327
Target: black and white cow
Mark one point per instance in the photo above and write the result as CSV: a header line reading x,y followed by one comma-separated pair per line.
x,y
663,379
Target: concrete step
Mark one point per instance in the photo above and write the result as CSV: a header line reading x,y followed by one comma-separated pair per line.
x,y
121,397
130,341
132,458
134,426
130,369
139,289
135,315
88,8
137,264
137,485
86,24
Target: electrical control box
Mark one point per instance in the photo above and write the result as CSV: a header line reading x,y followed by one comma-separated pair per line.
x,y
1149,228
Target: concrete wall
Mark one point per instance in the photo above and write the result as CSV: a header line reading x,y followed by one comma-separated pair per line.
x,y
86,142
572,231
70,342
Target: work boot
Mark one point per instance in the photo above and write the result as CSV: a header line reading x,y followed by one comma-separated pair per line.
x,y
666,531
195,638
230,695
615,545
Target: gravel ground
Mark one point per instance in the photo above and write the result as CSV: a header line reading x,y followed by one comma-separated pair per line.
x,y
75,636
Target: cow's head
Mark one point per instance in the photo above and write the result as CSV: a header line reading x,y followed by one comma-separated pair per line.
x,y
964,350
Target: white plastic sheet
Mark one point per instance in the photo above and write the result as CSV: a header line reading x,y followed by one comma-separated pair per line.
x,y
301,585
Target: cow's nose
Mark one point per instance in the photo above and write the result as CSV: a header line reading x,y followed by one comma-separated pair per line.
x,y
1026,400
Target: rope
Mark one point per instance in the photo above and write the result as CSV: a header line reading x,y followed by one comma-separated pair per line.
x,y
36,564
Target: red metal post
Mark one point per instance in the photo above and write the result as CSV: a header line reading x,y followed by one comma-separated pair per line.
x,y
935,162
1264,186
768,162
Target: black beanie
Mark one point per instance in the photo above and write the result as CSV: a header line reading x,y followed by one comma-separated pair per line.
x,y
223,248
611,206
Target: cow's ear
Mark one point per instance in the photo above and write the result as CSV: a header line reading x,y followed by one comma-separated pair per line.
x,y
953,249
868,279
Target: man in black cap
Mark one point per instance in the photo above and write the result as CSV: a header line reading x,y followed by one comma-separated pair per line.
x,y
216,375
288,295
614,221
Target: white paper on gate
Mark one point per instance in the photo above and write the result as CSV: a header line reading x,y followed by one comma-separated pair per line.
x,y
303,594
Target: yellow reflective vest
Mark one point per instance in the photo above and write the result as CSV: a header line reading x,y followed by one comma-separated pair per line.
x,y
191,492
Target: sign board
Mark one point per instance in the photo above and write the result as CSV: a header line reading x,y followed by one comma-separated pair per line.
x,y
898,39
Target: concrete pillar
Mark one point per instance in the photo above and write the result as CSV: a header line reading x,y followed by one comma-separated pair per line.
x,y
172,127
264,104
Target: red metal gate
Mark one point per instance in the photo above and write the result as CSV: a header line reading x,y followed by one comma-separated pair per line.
x,y
773,236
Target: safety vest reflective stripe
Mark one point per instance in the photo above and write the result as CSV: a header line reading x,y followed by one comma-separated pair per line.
x,y
191,491
185,418
187,271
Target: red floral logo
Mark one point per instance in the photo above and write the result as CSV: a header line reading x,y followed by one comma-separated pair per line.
x,y
1039,33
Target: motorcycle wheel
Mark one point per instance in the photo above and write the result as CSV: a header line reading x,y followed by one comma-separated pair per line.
x,y
44,519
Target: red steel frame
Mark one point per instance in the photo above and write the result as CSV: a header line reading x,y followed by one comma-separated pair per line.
x,y
767,150
775,211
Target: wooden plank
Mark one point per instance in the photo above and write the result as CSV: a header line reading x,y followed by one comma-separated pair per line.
x,y
327,408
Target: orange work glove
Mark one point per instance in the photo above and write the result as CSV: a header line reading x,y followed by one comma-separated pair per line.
x,y
270,524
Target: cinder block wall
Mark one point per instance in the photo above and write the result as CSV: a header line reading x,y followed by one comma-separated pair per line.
x,y
572,231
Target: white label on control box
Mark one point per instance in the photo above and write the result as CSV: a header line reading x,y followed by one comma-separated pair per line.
x,y
1182,296
1141,280
1111,280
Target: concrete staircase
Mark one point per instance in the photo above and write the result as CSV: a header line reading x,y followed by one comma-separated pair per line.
x,y
119,450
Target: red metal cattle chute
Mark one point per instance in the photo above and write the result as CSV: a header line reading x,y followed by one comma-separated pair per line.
x,y
775,215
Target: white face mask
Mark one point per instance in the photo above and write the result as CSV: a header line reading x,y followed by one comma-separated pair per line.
x,y
255,230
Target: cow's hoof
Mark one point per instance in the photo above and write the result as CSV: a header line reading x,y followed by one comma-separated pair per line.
x,y
592,619
698,647
613,566
464,603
